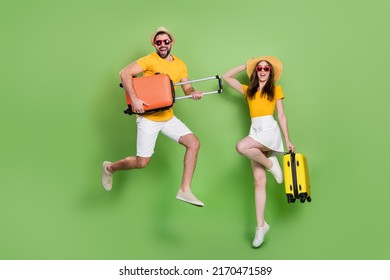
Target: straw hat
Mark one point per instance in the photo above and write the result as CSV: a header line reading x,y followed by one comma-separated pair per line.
x,y
161,29
276,64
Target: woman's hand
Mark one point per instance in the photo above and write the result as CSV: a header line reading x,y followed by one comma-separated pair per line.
x,y
290,146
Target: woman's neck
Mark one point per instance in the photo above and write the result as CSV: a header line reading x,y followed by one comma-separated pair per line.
x,y
261,85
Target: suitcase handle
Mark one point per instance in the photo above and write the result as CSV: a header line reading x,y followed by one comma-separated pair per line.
x,y
129,111
196,81
201,80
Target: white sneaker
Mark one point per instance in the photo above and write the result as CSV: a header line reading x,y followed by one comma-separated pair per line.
x,y
106,177
259,236
276,170
189,198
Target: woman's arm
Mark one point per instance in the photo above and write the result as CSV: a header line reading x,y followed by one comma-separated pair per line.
x,y
228,77
283,124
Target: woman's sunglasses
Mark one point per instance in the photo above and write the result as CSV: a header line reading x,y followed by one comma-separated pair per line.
x,y
265,68
159,42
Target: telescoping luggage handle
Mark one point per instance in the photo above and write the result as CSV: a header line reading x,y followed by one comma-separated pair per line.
x,y
294,172
201,80
196,81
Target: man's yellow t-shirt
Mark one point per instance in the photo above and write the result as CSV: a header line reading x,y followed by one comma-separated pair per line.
x,y
260,106
175,69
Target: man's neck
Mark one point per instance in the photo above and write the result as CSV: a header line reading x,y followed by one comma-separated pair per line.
x,y
169,58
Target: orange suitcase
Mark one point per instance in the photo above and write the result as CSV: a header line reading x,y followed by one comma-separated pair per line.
x,y
156,90
159,92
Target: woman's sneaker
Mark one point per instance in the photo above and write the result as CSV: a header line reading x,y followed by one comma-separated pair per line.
x,y
276,170
260,234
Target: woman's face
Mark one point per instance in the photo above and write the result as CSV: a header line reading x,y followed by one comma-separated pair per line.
x,y
263,71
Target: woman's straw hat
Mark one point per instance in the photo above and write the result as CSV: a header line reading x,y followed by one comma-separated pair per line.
x,y
275,62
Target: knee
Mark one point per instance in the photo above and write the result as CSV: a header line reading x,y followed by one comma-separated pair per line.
x,y
142,162
240,148
192,142
195,143
260,182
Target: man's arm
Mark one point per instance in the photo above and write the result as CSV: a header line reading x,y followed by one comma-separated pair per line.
x,y
189,90
126,76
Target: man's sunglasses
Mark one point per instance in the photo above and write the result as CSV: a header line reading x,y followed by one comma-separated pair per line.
x,y
265,68
159,42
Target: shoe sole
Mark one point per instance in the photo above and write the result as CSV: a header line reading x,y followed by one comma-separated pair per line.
x,y
189,202
104,173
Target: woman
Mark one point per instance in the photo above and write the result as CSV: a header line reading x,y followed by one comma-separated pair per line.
x,y
264,139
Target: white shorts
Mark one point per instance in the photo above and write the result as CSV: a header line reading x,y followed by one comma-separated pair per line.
x,y
266,131
147,132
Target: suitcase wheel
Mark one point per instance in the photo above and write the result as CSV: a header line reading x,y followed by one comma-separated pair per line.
x,y
290,198
302,197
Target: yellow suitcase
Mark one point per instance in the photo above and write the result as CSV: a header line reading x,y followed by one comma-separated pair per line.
x,y
296,177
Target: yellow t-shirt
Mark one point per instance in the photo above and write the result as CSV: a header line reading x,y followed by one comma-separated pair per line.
x,y
176,70
260,105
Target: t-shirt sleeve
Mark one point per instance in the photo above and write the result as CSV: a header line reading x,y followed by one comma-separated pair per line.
x,y
184,71
144,62
244,88
278,92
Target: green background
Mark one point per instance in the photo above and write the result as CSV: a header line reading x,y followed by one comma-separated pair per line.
x,y
61,117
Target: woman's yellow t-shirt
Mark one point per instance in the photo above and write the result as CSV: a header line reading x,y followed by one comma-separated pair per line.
x,y
176,70
260,105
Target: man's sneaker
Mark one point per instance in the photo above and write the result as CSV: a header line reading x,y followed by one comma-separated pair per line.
x,y
259,236
106,177
189,198
276,170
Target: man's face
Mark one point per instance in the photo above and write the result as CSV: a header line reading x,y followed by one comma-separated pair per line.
x,y
163,45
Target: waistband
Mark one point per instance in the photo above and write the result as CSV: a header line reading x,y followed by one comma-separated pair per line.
x,y
263,120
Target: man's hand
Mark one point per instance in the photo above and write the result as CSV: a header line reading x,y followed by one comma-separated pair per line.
x,y
138,106
196,95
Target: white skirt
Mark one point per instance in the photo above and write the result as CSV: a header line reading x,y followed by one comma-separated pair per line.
x,y
266,131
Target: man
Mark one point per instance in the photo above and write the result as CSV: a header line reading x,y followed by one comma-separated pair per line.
x,y
150,125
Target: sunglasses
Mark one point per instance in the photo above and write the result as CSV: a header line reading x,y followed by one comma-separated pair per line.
x,y
265,68
159,42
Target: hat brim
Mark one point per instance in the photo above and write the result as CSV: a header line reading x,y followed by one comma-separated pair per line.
x,y
275,62
164,30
